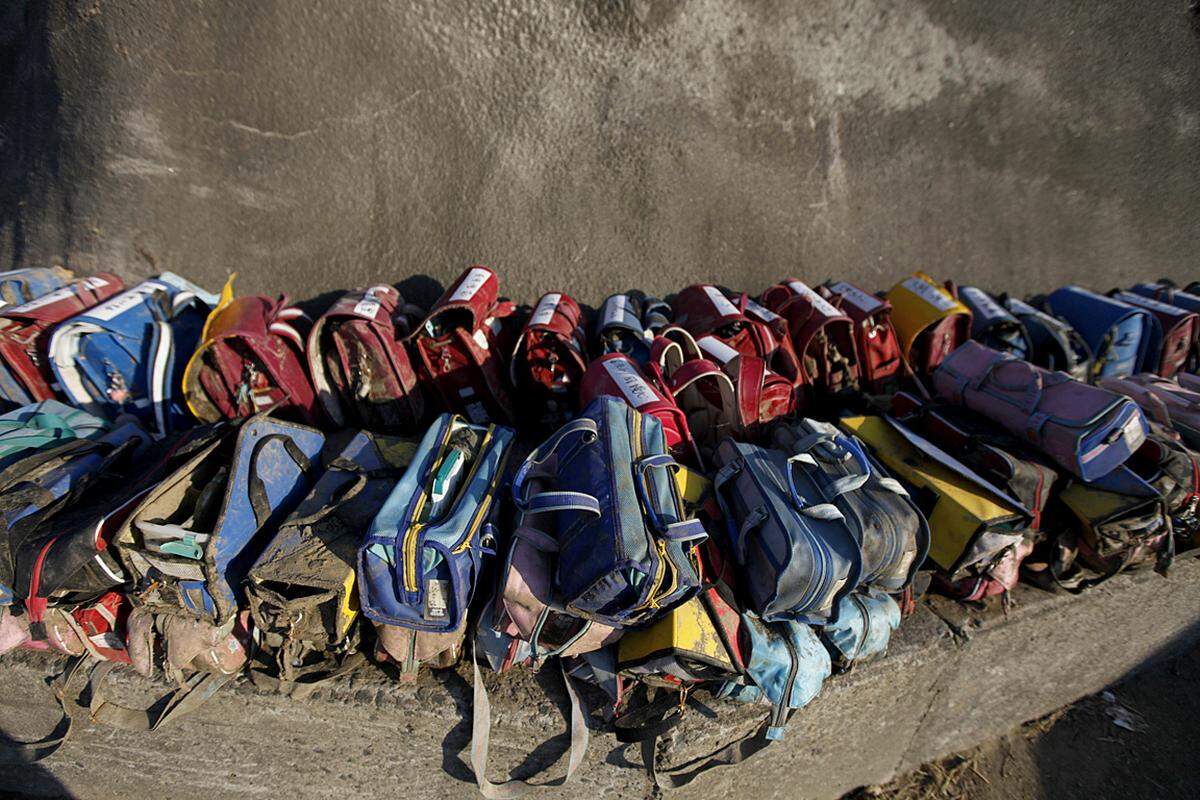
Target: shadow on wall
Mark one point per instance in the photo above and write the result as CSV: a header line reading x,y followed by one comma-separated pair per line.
x,y
1137,740
29,110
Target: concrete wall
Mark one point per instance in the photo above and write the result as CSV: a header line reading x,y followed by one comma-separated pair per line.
x,y
949,682
595,144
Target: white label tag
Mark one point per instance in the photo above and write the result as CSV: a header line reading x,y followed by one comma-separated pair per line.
x,y
819,303
762,312
615,309
718,350
369,306
1134,435
435,599
981,300
55,296
637,392
470,285
721,302
108,641
857,297
126,300
931,294
545,309
480,339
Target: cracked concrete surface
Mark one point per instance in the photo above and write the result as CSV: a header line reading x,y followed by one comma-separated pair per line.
x,y
597,144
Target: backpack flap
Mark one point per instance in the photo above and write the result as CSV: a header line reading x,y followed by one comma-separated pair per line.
x,y
462,343
250,360
359,364
822,336
422,556
127,354
25,374
1087,430
620,326
875,341
929,320
1177,330
701,388
549,361
1118,335
302,592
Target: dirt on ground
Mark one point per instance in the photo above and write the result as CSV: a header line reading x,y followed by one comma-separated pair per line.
x,y
1135,740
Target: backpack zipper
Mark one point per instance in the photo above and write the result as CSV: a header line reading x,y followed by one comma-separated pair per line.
x,y
485,504
412,535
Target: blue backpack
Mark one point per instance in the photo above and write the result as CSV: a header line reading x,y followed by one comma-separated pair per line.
x,y
1122,338
19,286
193,537
422,556
602,491
128,353
864,626
993,324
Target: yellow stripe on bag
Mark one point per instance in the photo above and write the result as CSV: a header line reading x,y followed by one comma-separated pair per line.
x,y
963,506
348,609
190,378
918,302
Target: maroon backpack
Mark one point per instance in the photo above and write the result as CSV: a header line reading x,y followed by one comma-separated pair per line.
x,y
549,361
822,337
360,365
462,344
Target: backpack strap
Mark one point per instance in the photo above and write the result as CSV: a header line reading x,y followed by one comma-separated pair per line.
x,y
481,731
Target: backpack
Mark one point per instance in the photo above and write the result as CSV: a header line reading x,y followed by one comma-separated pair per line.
x,y
44,424
1176,336
822,337
929,319
890,530
880,362
250,359
191,540
127,354
360,366
799,553
19,286
1118,335
41,561
971,525
461,345
1165,402
627,322
742,324
422,556
1053,343
25,374
617,375
1087,430
601,491
302,594
865,623
994,325
550,359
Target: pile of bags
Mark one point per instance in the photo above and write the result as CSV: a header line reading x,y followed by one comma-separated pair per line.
x,y
711,493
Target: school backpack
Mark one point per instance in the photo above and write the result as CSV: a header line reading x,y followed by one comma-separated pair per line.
x,y
422,556
1118,335
822,337
1165,402
25,330
1175,341
302,589
462,344
549,361
1087,430
250,359
360,365
19,286
880,362
930,321
994,325
44,424
741,323
1053,343
627,322
865,623
127,354
191,539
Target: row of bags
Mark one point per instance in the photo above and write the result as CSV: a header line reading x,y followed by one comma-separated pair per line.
x,y
169,352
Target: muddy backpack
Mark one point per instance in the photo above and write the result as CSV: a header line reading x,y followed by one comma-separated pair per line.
x,y
25,330
1167,403
127,354
1118,335
422,556
626,323
302,592
930,321
360,365
1053,343
549,361
822,337
879,361
19,286
994,325
1175,340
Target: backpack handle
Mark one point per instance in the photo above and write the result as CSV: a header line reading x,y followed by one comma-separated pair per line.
x,y
259,501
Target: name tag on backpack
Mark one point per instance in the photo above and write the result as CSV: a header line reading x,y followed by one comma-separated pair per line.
x,y
929,293
369,306
718,350
987,306
721,302
436,604
124,302
857,297
637,392
819,304
545,309
470,285
762,312
615,310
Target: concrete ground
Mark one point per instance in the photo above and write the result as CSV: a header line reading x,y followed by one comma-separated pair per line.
x,y
1135,741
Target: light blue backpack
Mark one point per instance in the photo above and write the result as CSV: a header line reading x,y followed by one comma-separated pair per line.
x,y
19,286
